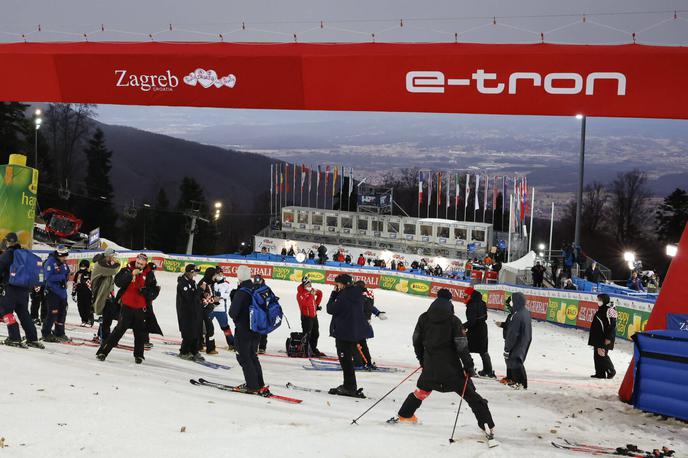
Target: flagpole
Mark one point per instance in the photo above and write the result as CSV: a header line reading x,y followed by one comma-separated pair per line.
x,y
551,229
532,208
511,215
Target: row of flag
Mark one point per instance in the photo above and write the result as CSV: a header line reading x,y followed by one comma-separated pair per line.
x,y
443,183
295,179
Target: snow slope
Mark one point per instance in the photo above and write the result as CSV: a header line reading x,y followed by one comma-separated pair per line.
x,y
64,402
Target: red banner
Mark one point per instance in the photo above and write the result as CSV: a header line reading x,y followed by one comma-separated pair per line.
x,y
229,269
532,79
456,290
371,280
495,299
538,306
586,311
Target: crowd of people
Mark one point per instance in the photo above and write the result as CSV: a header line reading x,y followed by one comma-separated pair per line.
x,y
442,343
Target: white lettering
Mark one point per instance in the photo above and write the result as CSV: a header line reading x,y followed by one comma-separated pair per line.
x,y
514,77
575,77
425,82
122,74
480,76
619,77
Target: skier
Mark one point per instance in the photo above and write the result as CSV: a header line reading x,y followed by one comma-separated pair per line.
x,y
602,336
56,278
105,267
223,291
210,301
131,280
519,334
189,314
348,326
476,329
442,351
363,352
81,292
309,300
245,340
38,309
505,326
15,299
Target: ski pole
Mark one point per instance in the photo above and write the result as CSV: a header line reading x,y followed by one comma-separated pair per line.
x,y
287,320
465,384
383,397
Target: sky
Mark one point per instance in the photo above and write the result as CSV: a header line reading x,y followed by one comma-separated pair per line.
x,y
352,20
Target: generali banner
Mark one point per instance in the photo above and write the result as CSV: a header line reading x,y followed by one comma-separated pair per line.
x,y
533,79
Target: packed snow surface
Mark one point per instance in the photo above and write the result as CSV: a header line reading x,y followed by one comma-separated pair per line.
x,y
62,401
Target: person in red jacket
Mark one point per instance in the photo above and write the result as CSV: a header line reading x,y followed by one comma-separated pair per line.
x,y
132,281
361,260
309,302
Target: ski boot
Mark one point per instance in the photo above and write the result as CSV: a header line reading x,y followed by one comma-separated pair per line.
x,y
489,436
341,390
410,420
101,356
35,344
186,356
63,338
147,345
261,351
197,358
264,391
139,359
212,352
516,385
52,338
15,343
486,374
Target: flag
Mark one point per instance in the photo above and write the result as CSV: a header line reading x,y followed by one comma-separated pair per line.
x,y
503,194
327,177
448,202
310,179
420,189
494,193
439,189
429,189
487,181
351,181
317,183
524,198
477,191
468,190
286,177
335,174
303,177
458,197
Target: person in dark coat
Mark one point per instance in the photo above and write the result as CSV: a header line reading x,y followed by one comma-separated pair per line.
x,y
246,341
348,326
38,308
15,299
602,336
81,292
505,326
442,351
594,274
362,356
476,329
538,273
206,289
56,278
519,334
189,314
150,292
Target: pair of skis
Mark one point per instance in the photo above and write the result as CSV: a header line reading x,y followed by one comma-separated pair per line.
x,y
238,389
628,450
319,365
206,363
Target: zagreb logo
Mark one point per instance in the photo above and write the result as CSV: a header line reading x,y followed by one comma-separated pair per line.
x,y
209,78
164,82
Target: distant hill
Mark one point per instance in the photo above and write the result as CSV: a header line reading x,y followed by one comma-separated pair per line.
x,y
143,161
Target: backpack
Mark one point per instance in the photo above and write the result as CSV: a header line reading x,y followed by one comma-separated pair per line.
x,y
296,347
265,312
26,270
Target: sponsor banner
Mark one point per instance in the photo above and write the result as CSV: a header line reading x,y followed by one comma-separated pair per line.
x,y
371,280
229,269
496,299
457,291
297,273
586,311
630,321
538,306
563,311
525,79
173,265
19,188
405,285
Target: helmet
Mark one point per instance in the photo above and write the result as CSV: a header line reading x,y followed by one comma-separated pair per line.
x,y
62,250
305,280
258,280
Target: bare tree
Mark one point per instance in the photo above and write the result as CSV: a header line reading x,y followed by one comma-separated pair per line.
x,y
594,203
68,127
628,208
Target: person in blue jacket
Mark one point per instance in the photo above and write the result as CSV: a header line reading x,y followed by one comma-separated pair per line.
x,y
56,278
635,283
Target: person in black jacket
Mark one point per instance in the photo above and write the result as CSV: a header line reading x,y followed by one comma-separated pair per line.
x,y
150,291
81,292
189,314
246,341
442,351
602,336
519,334
594,274
362,355
38,307
476,329
15,299
538,274
206,288
348,326
505,327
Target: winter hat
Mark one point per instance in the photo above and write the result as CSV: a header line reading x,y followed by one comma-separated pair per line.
x,y
344,279
243,273
11,237
305,280
469,292
518,301
210,272
84,263
191,268
62,250
444,293
143,256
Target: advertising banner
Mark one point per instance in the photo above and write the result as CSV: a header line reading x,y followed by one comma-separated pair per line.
x,y
563,311
630,321
405,285
524,79
371,280
457,290
229,269
19,187
586,311
538,306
